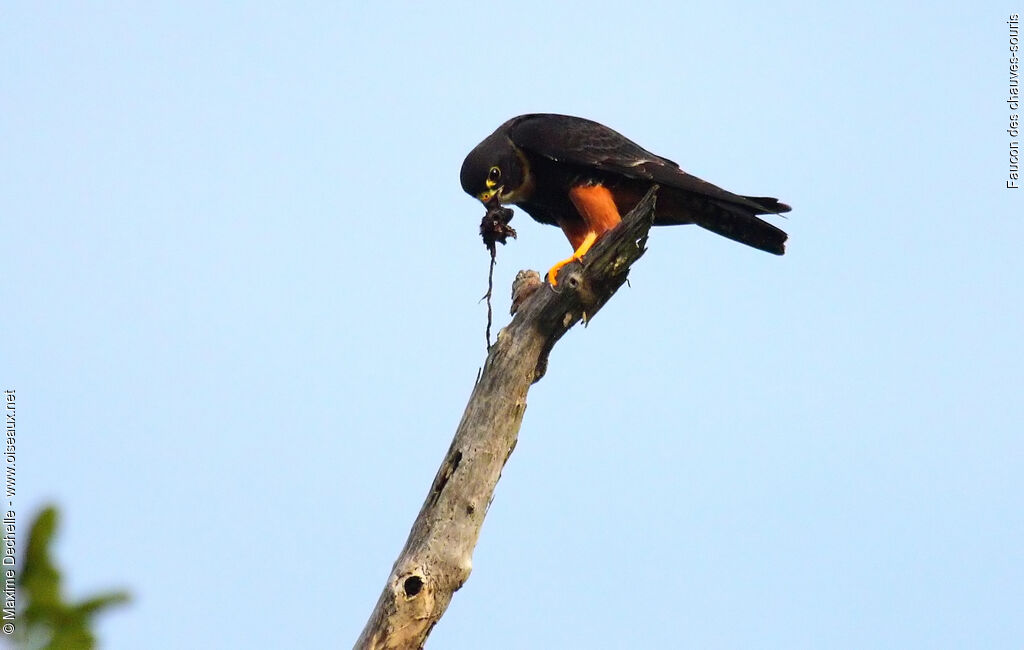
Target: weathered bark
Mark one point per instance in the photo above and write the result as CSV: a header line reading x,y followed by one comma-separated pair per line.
x,y
437,557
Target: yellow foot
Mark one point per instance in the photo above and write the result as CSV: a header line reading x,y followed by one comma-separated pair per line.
x,y
553,273
577,255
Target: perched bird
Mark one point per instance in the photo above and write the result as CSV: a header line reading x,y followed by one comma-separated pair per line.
x,y
581,176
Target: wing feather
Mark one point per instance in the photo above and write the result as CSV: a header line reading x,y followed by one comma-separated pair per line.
x,y
583,142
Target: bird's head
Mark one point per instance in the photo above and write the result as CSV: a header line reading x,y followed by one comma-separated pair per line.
x,y
496,172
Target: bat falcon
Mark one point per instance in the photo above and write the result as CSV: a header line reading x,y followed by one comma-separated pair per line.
x,y
582,176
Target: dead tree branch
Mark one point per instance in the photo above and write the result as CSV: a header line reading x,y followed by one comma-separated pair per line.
x,y
437,557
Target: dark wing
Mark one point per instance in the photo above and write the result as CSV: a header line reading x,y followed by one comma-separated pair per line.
x,y
579,141
583,142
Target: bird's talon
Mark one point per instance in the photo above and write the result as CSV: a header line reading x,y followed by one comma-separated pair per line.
x,y
553,273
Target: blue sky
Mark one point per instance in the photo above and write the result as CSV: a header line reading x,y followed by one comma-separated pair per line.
x,y
240,311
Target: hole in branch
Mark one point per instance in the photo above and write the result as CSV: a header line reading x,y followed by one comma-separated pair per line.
x,y
413,586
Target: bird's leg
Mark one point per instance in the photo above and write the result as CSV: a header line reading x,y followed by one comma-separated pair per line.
x,y
599,214
577,255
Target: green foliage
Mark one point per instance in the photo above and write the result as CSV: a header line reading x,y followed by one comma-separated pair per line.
x,y
46,620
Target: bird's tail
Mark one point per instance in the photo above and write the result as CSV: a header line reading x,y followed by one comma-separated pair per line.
x,y
729,215
738,222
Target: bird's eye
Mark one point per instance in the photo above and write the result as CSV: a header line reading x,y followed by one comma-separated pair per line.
x,y
494,175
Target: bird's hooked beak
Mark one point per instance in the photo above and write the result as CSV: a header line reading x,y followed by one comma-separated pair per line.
x,y
489,197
